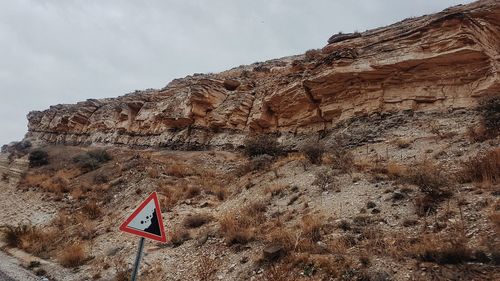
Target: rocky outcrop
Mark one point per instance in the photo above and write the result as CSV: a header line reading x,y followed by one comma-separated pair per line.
x,y
438,62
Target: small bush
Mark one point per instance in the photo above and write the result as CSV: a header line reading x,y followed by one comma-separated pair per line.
x,y
38,158
92,160
196,220
402,143
278,272
179,236
429,178
236,230
342,158
264,144
314,152
179,170
311,227
72,256
192,192
450,250
256,163
100,179
324,180
490,111
92,210
12,234
484,167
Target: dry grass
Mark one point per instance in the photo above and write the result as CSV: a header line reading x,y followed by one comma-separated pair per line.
x,y
313,151
192,191
402,143
276,189
92,210
196,220
441,249
179,170
484,167
396,170
278,272
333,265
240,227
72,256
263,144
40,243
429,177
311,227
280,236
236,230
179,236
12,235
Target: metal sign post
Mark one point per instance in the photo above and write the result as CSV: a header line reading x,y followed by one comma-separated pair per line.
x,y
138,259
146,222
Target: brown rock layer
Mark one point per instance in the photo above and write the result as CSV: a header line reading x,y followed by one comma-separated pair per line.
x,y
439,62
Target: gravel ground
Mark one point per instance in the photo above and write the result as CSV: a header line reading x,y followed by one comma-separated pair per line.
x,y
11,271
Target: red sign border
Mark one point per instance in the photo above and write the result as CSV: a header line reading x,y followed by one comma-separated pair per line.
x,y
124,226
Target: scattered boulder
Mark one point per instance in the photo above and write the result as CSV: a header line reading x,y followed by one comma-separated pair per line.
x,y
273,253
231,84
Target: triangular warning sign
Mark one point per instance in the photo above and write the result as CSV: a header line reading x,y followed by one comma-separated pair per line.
x,y
146,221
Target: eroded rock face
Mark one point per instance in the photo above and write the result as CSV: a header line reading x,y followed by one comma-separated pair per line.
x,y
440,62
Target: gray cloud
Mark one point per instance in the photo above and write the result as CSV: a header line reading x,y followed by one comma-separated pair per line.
x,y
56,51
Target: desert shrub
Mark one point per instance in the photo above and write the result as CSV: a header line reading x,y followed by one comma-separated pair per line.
x,y
179,236
342,159
92,210
313,151
263,144
100,179
38,158
490,111
239,226
179,170
100,155
12,234
282,237
29,238
196,220
192,192
256,163
324,179
311,227
72,256
234,230
345,225
92,160
429,177
5,177
484,167
402,143
219,192
451,249
278,272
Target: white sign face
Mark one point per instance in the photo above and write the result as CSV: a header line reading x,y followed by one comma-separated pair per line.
x,y
146,220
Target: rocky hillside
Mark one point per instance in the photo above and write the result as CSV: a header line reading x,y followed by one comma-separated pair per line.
x,y
440,62
375,158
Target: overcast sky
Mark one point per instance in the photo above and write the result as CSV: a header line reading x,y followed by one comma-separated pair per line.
x,y
64,51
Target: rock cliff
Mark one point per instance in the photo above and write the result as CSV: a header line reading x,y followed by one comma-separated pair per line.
x,y
438,62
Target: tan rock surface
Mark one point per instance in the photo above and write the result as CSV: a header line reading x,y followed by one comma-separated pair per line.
x,y
438,62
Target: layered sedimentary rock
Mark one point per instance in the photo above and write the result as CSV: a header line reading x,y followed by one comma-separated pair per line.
x,y
438,62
